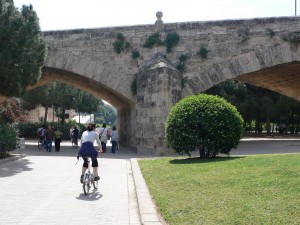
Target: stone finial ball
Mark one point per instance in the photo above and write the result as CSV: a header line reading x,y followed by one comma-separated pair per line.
x,y
159,15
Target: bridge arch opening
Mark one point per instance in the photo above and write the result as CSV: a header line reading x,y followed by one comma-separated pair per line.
x,y
124,106
282,78
270,97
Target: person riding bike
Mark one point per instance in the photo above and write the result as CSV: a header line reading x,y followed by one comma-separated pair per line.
x,y
41,135
87,149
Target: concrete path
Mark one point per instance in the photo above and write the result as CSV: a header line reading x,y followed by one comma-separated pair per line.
x,y
44,188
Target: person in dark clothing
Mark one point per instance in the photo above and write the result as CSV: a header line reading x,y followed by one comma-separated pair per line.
x,y
49,137
75,134
57,139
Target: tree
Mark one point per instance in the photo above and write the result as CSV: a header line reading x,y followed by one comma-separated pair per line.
x,y
62,96
87,102
43,95
204,122
22,49
11,111
106,114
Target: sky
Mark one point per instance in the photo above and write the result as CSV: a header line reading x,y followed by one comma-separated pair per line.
x,y
76,14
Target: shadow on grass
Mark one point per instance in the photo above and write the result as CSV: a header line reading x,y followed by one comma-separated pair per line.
x,y
206,160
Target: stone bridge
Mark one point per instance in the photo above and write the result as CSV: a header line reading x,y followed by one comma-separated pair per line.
x,y
144,83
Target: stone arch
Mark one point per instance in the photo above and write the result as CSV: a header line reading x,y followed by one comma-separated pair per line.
x,y
283,78
275,67
124,106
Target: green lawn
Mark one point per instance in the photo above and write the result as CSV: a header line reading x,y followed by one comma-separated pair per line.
x,y
261,189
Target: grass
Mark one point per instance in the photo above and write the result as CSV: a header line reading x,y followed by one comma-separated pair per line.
x,y
262,189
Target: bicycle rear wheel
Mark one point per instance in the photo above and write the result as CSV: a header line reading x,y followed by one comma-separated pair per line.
x,y
86,187
87,183
95,184
40,144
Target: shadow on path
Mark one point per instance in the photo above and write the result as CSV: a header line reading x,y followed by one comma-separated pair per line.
x,y
14,167
93,196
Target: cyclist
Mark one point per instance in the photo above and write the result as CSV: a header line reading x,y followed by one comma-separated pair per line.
x,y
87,149
41,135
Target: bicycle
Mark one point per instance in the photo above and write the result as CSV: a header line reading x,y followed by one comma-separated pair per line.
x,y
89,180
40,144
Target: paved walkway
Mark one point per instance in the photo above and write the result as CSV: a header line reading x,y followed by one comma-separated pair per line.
x,y
44,188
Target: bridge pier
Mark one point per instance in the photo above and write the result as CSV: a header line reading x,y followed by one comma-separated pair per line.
x,y
158,89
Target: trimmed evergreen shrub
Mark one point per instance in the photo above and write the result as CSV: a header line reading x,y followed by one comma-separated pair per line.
x,y
206,123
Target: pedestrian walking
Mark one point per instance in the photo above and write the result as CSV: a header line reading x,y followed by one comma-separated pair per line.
x,y
103,136
49,136
57,139
114,139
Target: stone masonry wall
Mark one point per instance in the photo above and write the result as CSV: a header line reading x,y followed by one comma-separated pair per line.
x,y
236,48
159,88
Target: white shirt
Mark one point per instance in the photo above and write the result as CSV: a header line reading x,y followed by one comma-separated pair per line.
x,y
114,135
103,133
90,136
97,130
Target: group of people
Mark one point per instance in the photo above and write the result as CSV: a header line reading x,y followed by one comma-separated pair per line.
x,y
47,136
106,134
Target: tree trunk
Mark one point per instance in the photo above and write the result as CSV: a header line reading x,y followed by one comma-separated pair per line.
x,y
46,115
268,124
287,123
63,111
202,152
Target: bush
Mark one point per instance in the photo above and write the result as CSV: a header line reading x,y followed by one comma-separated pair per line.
x,y
203,52
135,54
120,44
171,40
8,138
153,40
28,130
206,123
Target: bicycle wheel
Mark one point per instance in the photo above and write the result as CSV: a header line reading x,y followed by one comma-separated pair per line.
x,y
40,144
86,187
95,184
86,183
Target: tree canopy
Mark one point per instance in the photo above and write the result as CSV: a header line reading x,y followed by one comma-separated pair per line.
x,y
260,107
22,49
62,96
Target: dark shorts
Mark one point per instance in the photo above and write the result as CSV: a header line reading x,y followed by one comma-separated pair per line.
x,y
88,149
86,161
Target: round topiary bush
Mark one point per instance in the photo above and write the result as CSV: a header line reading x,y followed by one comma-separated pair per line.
x,y
206,123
